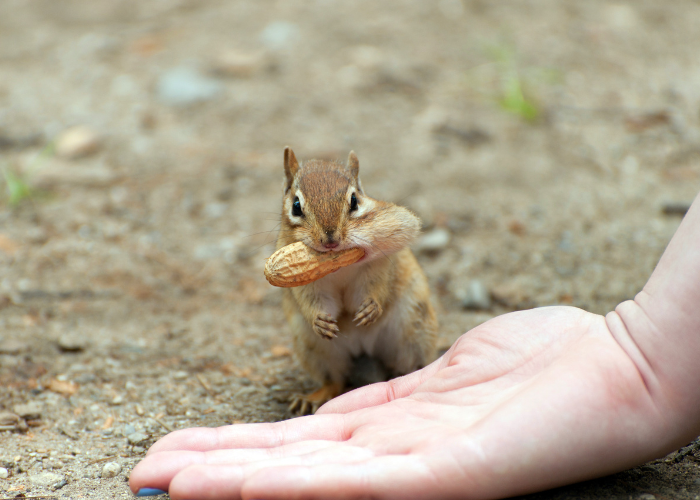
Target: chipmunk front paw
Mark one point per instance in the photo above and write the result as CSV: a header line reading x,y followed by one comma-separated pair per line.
x,y
368,312
325,326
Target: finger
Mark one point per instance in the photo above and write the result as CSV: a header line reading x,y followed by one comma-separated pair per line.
x,y
380,393
326,427
226,480
158,469
382,477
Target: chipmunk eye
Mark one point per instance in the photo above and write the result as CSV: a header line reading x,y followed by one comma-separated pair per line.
x,y
353,203
296,208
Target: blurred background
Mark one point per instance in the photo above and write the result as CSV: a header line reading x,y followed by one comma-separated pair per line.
x,y
550,147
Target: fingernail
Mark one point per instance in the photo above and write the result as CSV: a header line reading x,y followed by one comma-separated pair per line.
x,y
150,492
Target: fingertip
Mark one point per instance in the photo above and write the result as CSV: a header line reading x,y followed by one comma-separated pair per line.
x,y
207,482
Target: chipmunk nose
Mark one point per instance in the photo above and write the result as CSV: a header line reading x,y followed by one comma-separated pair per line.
x,y
330,242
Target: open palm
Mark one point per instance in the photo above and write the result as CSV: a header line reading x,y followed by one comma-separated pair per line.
x,y
526,401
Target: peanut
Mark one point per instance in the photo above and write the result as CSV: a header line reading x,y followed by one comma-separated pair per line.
x,y
297,264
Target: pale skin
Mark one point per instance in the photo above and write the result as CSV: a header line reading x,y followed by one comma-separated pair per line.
x,y
527,401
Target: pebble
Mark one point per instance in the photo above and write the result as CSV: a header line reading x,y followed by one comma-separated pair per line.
x,y
69,432
45,479
180,375
675,208
37,235
215,210
183,86
72,342
29,410
111,469
13,347
139,410
117,400
139,449
4,473
279,35
646,496
77,142
240,64
510,295
367,57
59,172
128,430
476,296
433,241
8,418
59,485
137,437
280,351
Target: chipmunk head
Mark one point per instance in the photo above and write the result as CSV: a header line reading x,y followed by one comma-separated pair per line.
x,y
323,200
325,207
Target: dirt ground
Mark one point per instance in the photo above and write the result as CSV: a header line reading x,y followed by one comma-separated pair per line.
x,y
548,146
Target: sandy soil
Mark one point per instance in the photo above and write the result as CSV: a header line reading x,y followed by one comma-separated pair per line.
x,y
132,299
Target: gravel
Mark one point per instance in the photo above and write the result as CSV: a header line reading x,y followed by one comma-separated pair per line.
x,y
111,469
183,86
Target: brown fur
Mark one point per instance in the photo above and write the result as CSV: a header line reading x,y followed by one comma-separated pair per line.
x,y
385,296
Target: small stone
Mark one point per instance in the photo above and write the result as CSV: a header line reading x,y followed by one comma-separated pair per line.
x,y
62,387
37,235
69,432
646,496
280,351
72,342
183,86
59,485
433,241
128,430
367,57
675,208
30,410
60,172
215,210
8,418
139,410
137,437
139,449
240,64
117,400
4,473
180,375
8,245
279,35
77,142
85,378
111,469
510,295
45,479
475,296
13,347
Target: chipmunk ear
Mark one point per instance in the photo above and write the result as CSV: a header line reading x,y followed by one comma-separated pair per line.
x,y
291,166
353,164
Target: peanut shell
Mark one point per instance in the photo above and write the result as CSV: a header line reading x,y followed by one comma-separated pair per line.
x,y
297,264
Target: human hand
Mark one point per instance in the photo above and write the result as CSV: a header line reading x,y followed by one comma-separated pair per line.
x,y
527,401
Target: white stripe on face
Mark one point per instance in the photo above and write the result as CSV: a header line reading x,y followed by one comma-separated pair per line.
x,y
289,204
364,203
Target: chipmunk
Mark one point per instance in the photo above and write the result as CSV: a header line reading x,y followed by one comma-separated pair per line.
x,y
376,309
